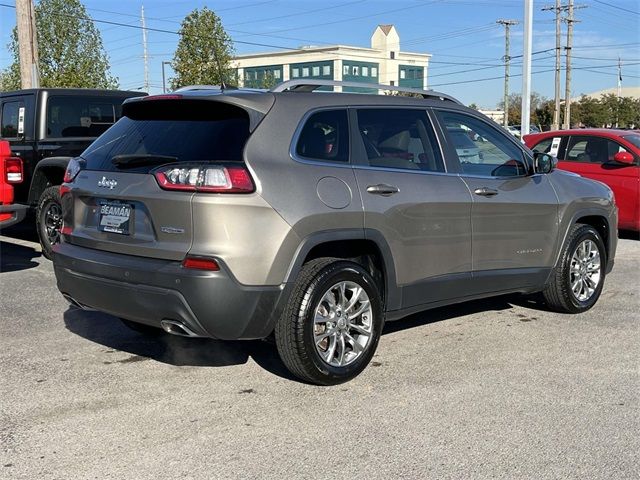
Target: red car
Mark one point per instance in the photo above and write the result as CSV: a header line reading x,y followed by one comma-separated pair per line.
x,y
610,156
11,174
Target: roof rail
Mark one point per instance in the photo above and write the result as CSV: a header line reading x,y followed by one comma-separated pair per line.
x,y
312,84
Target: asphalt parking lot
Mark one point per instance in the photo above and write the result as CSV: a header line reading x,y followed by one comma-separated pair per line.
x,y
490,389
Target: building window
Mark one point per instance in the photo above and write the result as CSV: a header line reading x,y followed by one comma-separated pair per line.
x,y
276,74
365,71
393,55
392,83
355,71
326,70
305,71
295,73
345,70
403,74
374,72
316,71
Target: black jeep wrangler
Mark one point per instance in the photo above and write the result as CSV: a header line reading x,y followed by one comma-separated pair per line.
x,y
45,128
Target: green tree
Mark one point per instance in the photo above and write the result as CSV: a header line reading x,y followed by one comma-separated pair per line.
x,y
515,107
204,52
70,49
474,106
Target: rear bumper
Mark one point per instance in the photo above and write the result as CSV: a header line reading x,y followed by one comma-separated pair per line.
x,y
12,214
148,291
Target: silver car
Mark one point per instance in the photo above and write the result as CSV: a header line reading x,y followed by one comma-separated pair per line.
x,y
237,214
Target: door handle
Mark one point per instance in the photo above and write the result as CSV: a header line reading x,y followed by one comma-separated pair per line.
x,y
382,189
485,192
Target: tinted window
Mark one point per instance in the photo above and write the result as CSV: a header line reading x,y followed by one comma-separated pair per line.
x,y
184,131
481,148
399,138
591,149
634,139
544,146
10,114
325,136
81,116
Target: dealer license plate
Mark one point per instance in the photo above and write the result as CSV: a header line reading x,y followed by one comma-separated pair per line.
x,y
115,218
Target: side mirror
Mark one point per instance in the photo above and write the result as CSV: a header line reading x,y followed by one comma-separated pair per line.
x,y
624,157
543,162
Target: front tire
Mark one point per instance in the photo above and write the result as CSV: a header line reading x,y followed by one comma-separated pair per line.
x,y
576,282
49,219
332,323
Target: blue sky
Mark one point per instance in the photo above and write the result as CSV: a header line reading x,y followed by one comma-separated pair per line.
x,y
466,43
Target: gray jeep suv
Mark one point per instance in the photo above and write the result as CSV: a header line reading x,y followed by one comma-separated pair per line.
x,y
317,217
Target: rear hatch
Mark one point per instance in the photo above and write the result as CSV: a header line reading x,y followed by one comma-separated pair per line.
x,y
135,184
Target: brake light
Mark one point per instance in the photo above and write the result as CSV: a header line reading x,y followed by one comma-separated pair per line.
x,y
201,263
210,179
13,170
162,97
73,168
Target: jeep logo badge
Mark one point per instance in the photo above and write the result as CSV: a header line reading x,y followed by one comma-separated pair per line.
x,y
107,183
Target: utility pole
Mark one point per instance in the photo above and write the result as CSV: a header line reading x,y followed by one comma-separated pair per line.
x,y
507,59
145,56
27,44
526,68
619,90
558,9
567,93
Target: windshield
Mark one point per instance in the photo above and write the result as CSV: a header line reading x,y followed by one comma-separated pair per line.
x,y
634,138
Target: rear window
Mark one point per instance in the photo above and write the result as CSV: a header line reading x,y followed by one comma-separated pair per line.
x,y
69,116
206,132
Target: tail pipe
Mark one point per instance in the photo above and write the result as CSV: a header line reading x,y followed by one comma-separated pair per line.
x,y
177,328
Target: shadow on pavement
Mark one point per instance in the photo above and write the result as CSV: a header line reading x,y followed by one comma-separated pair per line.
x,y
200,352
628,235
15,257
173,350
457,310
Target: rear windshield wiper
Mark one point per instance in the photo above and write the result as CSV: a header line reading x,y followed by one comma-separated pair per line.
x,y
136,159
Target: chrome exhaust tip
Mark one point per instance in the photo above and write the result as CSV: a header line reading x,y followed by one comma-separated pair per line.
x,y
177,328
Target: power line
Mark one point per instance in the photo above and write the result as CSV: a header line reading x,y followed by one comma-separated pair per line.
x,y
616,6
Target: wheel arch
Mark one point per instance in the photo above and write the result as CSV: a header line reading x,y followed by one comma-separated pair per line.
x,y
599,220
48,172
368,248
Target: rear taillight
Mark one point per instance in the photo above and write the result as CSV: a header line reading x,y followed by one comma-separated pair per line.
x,y
205,178
13,170
73,168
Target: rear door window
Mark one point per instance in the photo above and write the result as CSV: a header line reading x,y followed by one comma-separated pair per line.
x,y
69,116
190,131
399,138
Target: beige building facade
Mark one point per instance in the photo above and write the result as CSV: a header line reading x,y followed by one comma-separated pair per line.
x,y
383,63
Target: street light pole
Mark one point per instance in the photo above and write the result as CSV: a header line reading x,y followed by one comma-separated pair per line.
x,y
526,68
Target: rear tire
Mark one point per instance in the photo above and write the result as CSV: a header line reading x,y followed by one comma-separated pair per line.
x,y
576,282
332,323
49,220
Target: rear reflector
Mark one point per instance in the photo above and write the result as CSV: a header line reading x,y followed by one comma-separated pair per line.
x,y
205,178
13,170
201,263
